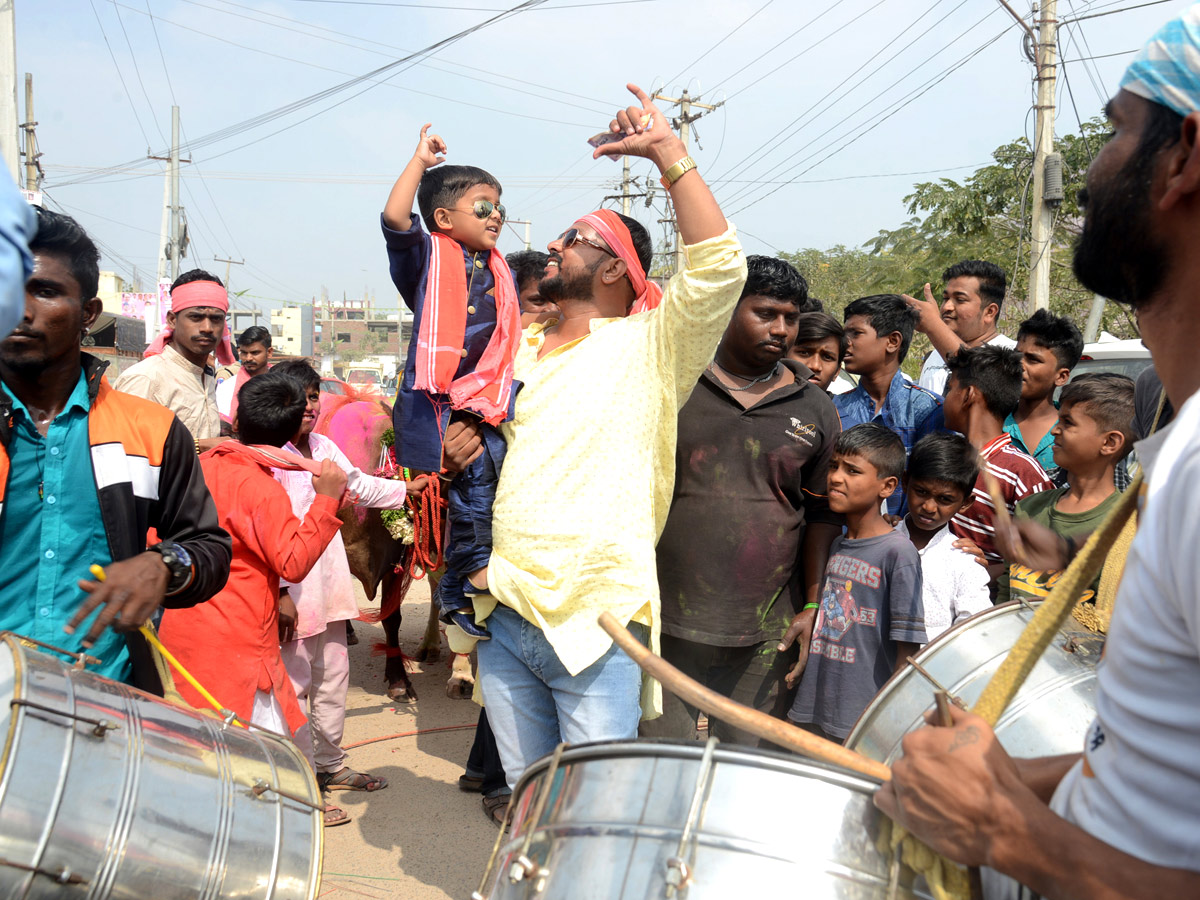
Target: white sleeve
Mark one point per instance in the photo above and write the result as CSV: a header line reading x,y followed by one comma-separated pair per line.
x,y
372,492
971,588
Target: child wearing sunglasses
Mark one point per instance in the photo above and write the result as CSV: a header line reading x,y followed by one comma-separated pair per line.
x,y
466,329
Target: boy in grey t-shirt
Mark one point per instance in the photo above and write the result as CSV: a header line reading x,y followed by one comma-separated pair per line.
x,y
870,618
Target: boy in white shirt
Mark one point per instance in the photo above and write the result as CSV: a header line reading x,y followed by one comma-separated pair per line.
x,y
940,479
314,651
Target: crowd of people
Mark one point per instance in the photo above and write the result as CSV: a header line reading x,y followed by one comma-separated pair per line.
x,y
690,459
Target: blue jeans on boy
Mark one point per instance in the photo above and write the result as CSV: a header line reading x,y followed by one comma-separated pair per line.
x,y
534,704
470,512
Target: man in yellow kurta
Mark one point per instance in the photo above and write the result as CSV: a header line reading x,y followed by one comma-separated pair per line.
x,y
586,484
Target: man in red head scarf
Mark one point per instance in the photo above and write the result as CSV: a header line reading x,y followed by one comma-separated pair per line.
x,y
176,372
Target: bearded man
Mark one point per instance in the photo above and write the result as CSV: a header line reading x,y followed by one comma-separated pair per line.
x,y
1122,819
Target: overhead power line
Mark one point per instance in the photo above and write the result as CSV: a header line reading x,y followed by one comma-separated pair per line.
x,y
370,78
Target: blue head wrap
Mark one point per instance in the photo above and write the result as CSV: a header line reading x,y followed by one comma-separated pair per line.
x,y
1167,71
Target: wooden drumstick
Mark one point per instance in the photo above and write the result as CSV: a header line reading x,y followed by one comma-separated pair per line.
x,y
774,730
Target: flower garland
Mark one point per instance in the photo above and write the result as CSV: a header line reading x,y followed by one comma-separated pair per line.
x,y
398,522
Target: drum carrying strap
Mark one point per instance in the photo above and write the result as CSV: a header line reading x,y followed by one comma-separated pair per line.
x,y
163,657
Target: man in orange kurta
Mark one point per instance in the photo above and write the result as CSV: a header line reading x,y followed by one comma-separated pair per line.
x,y
231,643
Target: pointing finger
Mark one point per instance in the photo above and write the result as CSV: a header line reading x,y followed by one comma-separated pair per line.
x,y
638,92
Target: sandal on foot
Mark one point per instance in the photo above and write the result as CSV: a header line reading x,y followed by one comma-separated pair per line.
x,y
346,779
496,809
335,815
472,784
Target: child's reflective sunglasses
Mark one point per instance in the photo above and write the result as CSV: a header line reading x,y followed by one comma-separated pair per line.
x,y
483,210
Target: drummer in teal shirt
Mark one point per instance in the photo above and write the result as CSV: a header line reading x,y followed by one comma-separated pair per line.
x,y
51,532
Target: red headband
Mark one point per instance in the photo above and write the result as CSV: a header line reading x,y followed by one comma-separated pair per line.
x,y
194,294
609,227
199,293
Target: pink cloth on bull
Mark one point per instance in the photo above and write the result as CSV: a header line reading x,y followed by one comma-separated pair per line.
x,y
189,296
608,225
326,594
485,391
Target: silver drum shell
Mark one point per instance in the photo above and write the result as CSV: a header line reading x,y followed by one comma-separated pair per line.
x,y
1049,715
162,806
767,825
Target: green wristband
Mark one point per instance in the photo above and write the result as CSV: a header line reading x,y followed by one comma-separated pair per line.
x,y
808,606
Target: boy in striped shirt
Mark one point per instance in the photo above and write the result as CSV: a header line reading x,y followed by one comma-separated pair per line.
x,y
982,390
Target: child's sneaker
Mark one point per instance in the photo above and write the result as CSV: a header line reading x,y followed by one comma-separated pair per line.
x,y
466,622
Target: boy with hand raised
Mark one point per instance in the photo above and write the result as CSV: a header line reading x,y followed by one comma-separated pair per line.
x,y
941,476
870,618
1093,434
466,331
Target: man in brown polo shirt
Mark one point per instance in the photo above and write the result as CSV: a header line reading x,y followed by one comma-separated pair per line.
x,y
749,529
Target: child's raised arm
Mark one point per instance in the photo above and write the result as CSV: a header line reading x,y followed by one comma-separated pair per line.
x,y
397,213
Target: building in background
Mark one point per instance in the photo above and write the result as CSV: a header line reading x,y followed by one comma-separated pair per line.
x,y
292,330
357,340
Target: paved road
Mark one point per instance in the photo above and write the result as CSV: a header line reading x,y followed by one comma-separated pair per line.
x,y
421,838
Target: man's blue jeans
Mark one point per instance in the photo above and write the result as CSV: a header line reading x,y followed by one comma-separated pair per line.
x,y
534,704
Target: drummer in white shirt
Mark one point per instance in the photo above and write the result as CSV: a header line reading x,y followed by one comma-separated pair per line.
x,y
971,300
1121,820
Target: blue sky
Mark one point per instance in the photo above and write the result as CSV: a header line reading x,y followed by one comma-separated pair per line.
x,y
829,106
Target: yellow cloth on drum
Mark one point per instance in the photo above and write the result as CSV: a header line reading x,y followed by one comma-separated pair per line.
x,y
947,880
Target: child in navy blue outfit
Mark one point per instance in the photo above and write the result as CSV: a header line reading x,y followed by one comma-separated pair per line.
x,y
466,330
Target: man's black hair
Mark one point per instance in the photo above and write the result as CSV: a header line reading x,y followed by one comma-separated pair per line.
x,y
945,456
270,409
300,371
642,245
887,313
992,281
1057,334
1160,128
878,445
527,266
1108,398
60,235
820,326
770,276
196,275
994,371
255,334
442,187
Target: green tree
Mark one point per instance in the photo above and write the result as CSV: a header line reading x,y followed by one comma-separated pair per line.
x,y
985,216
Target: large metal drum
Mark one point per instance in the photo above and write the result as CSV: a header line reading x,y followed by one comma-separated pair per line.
x,y
651,819
1049,715
108,792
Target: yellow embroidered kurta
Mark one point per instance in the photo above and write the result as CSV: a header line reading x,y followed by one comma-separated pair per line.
x,y
587,481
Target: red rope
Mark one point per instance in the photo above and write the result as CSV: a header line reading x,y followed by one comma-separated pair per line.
x,y
427,528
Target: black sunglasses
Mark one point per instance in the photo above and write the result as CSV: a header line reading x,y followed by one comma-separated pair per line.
x,y
572,235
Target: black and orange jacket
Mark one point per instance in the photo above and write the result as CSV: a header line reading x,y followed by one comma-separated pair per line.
x,y
147,476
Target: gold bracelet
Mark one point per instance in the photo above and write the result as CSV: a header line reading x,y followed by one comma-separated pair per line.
x,y
197,447
676,172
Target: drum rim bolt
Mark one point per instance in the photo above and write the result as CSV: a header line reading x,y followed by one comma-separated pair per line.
x,y
679,874
521,868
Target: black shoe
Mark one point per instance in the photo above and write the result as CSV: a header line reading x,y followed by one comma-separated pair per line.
x,y
470,783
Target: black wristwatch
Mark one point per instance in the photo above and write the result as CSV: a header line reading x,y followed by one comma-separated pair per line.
x,y
179,562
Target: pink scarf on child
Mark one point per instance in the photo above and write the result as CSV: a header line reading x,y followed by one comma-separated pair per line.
x,y
487,390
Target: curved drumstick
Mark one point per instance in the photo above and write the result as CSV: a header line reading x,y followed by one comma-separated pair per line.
x,y
774,730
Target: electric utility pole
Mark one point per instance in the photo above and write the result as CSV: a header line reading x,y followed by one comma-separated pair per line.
x,y
171,247
30,129
10,144
624,185
228,263
1045,203
683,123
528,234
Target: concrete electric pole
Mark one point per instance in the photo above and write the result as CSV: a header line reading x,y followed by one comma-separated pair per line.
x,y
1045,203
228,263
170,242
683,124
10,143
30,129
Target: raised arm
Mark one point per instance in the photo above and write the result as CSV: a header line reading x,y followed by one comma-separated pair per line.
x,y
945,341
696,209
397,212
